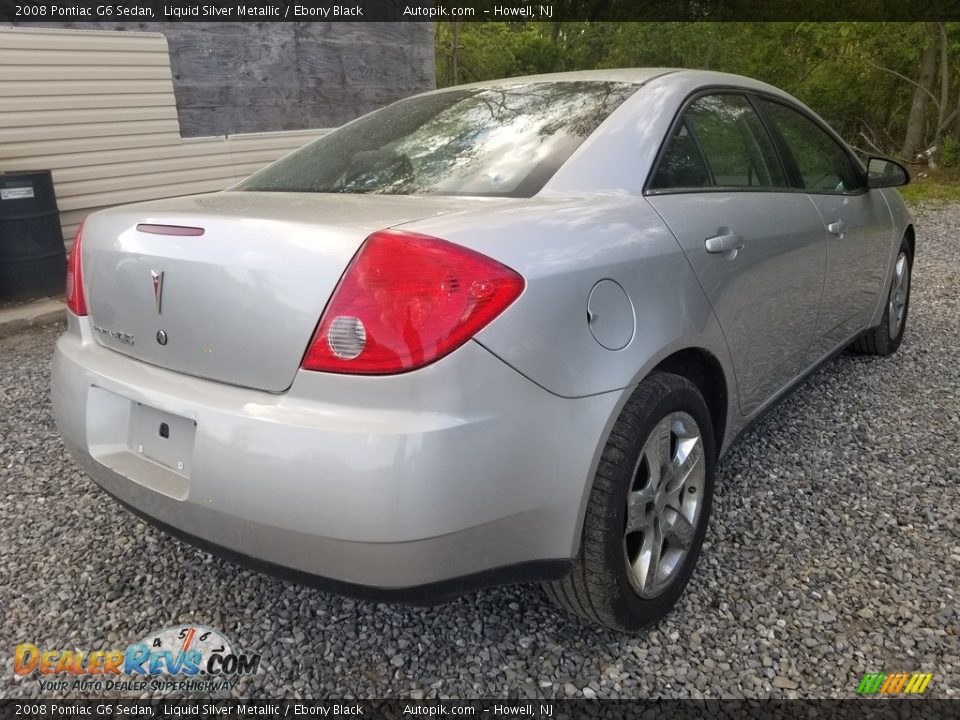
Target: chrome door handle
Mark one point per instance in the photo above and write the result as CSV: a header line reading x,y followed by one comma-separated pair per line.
x,y
724,243
838,228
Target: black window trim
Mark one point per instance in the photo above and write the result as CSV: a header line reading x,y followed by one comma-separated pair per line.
x,y
787,163
791,171
700,152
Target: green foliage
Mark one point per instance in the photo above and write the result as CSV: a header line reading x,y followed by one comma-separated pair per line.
x,y
858,76
950,154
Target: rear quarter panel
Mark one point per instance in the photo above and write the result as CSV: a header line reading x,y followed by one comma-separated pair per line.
x,y
563,247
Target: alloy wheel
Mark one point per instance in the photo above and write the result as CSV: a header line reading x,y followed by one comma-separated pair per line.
x,y
899,291
664,504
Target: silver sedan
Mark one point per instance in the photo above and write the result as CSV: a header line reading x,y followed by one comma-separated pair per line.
x,y
495,333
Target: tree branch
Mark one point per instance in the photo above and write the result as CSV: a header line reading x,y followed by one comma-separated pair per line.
x,y
813,67
947,120
870,143
903,77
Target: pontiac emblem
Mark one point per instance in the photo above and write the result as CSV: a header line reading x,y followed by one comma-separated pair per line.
x,y
157,288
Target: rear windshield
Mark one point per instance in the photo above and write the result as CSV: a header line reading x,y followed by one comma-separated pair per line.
x,y
497,141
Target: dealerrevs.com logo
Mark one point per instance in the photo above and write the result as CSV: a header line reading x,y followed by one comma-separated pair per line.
x,y
187,658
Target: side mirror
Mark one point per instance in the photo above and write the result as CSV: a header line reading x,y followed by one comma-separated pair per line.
x,y
882,172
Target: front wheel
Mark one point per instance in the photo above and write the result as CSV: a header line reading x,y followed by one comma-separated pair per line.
x,y
648,509
885,339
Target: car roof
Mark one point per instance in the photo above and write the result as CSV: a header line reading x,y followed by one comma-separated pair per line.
x,y
630,75
639,76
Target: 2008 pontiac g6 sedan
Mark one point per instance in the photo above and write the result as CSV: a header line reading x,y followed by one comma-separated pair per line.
x,y
495,333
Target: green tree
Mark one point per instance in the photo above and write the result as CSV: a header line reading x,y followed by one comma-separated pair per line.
x,y
888,88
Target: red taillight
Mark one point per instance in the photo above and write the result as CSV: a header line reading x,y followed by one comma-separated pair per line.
x,y
74,290
407,300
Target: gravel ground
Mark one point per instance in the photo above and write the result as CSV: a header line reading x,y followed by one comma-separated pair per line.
x,y
834,550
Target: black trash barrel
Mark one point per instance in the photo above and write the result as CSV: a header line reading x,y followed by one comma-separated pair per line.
x,y
32,257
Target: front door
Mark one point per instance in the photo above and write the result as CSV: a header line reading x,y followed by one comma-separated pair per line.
x,y
857,220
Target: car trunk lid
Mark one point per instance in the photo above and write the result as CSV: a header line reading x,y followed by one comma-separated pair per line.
x,y
230,286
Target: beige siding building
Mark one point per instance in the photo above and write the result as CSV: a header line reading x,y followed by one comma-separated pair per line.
x,y
98,109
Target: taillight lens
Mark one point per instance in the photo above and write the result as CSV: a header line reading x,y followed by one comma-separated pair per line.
x,y
74,288
407,300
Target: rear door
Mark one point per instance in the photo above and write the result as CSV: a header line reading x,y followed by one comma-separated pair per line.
x,y
857,220
756,245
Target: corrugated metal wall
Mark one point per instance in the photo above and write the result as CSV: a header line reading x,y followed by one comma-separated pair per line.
x,y
97,108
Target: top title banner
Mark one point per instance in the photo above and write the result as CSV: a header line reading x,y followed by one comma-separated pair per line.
x,y
60,11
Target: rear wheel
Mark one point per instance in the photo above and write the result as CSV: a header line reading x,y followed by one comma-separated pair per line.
x,y
885,339
648,509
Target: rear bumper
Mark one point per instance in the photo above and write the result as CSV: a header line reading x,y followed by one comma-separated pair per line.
x,y
425,594
411,487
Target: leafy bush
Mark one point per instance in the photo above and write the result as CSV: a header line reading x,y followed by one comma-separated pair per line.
x,y
950,152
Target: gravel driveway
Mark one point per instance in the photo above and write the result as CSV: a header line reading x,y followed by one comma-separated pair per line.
x,y
834,550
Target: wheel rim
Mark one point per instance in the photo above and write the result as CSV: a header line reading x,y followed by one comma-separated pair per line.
x,y
899,290
664,504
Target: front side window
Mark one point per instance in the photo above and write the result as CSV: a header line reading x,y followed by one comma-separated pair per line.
x,y
499,141
823,164
722,136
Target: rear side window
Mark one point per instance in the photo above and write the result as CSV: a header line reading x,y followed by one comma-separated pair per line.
x,y
723,137
823,164
500,141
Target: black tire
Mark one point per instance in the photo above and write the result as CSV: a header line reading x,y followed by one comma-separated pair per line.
x,y
599,587
879,340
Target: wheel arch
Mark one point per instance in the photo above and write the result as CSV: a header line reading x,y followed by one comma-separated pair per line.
x,y
704,370
701,367
910,236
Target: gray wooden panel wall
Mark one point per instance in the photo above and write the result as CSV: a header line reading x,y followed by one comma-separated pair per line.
x,y
259,77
